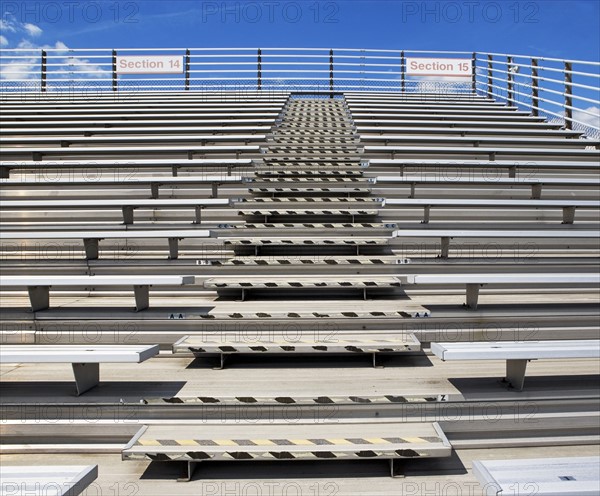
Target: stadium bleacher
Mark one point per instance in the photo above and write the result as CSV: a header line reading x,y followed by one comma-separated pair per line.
x,y
325,227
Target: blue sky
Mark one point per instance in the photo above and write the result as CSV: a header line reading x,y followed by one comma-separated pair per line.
x,y
551,28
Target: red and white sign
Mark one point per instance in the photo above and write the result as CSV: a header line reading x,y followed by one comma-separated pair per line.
x,y
438,67
149,64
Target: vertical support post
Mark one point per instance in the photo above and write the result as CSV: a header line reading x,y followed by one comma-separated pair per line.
x,y
187,69
43,67
535,88
474,73
114,70
509,83
490,76
331,73
568,95
403,71
259,70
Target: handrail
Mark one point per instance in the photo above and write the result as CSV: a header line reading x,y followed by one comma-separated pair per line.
x,y
519,80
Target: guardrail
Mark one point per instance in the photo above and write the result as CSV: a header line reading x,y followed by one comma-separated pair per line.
x,y
561,90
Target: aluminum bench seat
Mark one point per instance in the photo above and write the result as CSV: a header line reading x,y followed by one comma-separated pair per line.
x,y
480,150
39,153
118,124
18,113
535,183
91,239
85,359
355,105
373,343
99,119
465,131
568,206
49,480
512,141
63,169
66,140
283,283
569,476
155,182
429,111
196,443
116,130
449,115
445,235
38,287
145,105
261,174
449,124
465,164
127,206
475,281
517,353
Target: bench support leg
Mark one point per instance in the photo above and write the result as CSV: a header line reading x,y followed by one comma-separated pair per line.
x,y
215,190
536,191
173,248
515,373
91,249
568,215
154,191
395,470
39,296
174,170
188,472
142,297
412,190
198,215
426,214
127,215
222,357
472,296
445,247
4,172
87,376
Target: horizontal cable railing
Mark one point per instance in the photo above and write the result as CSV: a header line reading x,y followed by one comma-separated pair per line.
x,y
564,91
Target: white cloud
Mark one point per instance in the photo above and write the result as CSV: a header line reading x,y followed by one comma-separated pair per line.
x,y
585,117
32,29
7,25
3,41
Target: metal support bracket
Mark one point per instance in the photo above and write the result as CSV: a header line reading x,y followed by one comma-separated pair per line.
x,y
426,214
472,295
198,214
515,373
568,215
188,472
39,296
536,191
445,250
154,190
127,214
87,376
395,470
173,248
142,297
91,248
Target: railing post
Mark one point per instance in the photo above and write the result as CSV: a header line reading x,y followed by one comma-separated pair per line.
x,y
331,73
403,71
509,83
474,73
114,70
535,88
259,69
490,76
568,95
43,67
187,68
